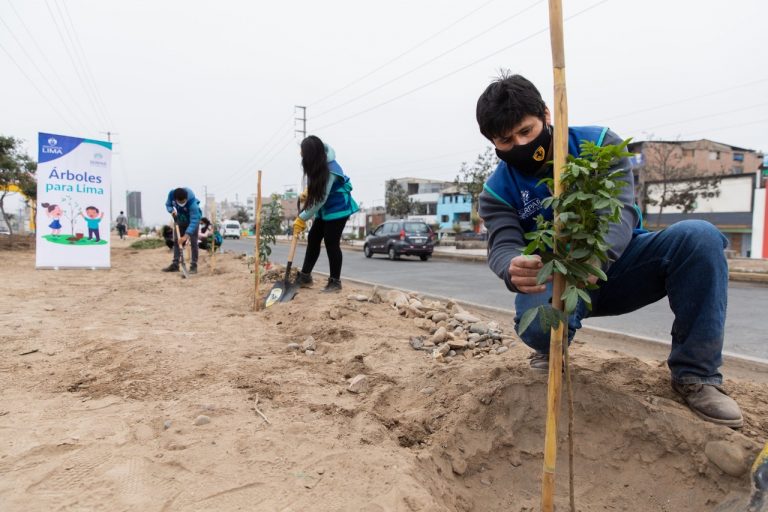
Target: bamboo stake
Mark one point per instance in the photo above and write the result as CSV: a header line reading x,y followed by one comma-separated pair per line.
x,y
560,146
257,260
213,240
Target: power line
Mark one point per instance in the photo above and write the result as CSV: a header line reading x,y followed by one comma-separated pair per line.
x,y
40,72
34,84
429,61
62,84
685,100
403,54
87,66
462,68
74,65
704,117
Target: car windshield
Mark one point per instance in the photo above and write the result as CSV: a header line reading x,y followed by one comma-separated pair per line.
x,y
416,227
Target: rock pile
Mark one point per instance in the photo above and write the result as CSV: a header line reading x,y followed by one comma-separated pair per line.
x,y
451,332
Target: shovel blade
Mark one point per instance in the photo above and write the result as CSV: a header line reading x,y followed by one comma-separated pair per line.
x,y
281,292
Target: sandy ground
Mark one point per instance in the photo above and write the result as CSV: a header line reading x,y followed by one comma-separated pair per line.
x,y
142,392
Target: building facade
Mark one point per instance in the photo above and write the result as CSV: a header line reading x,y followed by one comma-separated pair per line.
x,y
454,207
133,209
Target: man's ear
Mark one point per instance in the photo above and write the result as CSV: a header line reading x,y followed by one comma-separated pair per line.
x,y
547,116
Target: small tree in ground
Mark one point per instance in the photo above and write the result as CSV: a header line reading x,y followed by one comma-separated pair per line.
x,y
271,220
17,171
242,216
576,249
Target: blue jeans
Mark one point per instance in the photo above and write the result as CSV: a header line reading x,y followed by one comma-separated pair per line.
x,y
685,263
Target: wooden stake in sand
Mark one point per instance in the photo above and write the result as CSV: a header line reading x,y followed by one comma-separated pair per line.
x,y
556,342
213,238
256,252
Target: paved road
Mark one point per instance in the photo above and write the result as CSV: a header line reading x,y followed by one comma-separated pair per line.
x,y
474,282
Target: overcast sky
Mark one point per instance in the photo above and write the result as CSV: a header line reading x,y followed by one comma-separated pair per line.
x,y
203,93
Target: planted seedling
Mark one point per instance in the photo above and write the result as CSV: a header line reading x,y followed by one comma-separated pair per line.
x,y
573,243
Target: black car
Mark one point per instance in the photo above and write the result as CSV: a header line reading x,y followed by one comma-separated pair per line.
x,y
396,238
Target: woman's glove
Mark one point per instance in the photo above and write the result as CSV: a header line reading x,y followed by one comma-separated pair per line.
x,y
303,196
299,225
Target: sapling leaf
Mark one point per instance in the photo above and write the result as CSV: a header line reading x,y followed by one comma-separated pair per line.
x,y
526,320
544,273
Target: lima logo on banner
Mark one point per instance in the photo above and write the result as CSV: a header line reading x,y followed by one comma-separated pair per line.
x,y
73,192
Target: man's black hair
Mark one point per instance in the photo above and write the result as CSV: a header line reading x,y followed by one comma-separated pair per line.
x,y
92,208
180,194
505,103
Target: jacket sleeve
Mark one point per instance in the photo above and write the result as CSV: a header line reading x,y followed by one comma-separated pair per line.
x,y
308,214
194,216
169,202
505,235
620,234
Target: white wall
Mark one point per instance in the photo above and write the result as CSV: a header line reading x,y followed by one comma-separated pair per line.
x,y
758,224
735,196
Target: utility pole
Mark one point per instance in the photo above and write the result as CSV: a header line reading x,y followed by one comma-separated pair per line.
x,y
303,120
111,214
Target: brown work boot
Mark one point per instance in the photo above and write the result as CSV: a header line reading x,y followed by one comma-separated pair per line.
x,y
710,402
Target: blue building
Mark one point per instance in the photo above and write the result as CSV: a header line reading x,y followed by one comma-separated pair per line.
x,y
454,207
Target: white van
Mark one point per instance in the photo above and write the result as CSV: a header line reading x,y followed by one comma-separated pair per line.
x,y
230,228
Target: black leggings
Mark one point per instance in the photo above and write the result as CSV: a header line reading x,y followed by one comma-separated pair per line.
x,y
330,232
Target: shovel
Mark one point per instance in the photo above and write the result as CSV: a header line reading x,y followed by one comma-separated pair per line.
x,y
284,291
182,263
758,500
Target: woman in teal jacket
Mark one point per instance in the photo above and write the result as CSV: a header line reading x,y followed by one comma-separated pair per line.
x,y
327,198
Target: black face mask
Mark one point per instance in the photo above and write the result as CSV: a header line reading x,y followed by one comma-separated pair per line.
x,y
529,158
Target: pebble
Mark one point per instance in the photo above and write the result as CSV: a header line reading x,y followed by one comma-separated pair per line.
x,y
443,349
309,344
478,328
729,457
334,313
440,335
427,390
358,297
309,352
417,342
167,424
292,346
466,317
439,317
473,338
202,420
452,353
459,466
458,344
501,350
423,323
358,384
485,481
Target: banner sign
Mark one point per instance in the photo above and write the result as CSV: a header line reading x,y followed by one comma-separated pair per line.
x,y
73,200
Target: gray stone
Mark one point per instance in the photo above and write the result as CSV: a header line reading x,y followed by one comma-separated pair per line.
x,y
444,349
440,335
417,342
358,297
202,420
167,424
727,456
452,353
466,317
458,344
309,344
439,317
501,350
427,390
358,384
459,466
478,328
309,352
473,338
292,346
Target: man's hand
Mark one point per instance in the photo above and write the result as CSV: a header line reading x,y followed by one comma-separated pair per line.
x,y
299,225
173,212
183,240
523,271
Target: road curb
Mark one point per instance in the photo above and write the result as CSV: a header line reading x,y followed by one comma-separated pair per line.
x,y
729,357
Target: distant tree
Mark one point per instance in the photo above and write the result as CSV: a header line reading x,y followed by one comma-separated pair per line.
x,y
418,208
17,171
472,178
242,216
396,198
669,183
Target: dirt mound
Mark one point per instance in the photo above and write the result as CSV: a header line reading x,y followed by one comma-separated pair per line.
x,y
139,390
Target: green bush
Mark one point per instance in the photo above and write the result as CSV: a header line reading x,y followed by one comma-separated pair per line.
x,y
148,243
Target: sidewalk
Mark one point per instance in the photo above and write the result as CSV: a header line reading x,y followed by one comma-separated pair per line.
x,y
740,269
